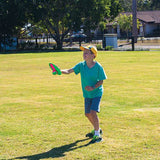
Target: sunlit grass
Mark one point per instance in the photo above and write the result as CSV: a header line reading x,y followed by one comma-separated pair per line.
x,y
42,116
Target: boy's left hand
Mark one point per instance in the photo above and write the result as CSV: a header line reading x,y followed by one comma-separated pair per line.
x,y
89,88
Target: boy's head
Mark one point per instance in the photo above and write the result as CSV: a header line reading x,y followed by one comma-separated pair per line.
x,y
93,49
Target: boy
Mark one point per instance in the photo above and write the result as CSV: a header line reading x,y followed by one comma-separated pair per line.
x,y
92,76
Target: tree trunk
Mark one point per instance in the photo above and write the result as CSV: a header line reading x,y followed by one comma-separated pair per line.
x,y
0,47
59,44
0,44
47,39
36,42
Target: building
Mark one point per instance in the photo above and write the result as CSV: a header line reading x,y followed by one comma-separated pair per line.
x,y
150,21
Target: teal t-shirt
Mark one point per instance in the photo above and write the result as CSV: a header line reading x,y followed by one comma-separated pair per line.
x,y
89,77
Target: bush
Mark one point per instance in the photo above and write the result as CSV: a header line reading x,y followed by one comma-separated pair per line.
x,y
109,48
99,47
26,45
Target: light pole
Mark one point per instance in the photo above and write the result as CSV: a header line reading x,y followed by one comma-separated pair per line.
x,y
134,23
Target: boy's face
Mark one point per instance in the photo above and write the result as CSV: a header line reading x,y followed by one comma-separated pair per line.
x,y
88,55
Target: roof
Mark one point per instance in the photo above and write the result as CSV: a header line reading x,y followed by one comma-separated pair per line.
x,y
147,16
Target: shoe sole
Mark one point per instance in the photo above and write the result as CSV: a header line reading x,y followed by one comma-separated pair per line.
x,y
91,142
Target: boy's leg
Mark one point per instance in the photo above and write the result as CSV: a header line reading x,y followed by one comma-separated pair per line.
x,y
95,107
95,120
88,102
92,106
89,116
97,135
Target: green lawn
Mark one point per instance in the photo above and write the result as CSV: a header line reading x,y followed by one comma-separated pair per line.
x,y
42,116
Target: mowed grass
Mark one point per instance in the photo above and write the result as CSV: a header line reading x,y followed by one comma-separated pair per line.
x,y
42,116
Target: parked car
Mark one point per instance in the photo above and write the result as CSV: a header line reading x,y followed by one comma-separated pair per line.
x,y
76,38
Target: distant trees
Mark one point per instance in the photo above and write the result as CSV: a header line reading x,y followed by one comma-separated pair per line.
x,y
125,23
155,5
142,5
12,16
115,8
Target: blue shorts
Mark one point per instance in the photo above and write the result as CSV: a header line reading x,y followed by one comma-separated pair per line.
x,y
92,104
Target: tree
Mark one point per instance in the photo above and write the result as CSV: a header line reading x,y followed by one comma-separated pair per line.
x,y
142,5
12,16
115,8
93,13
125,23
155,4
59,16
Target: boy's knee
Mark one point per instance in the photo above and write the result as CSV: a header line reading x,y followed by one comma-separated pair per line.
x,y
93,112
87,114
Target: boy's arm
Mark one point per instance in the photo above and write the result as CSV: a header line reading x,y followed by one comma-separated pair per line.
x,y
89,88
67,71
99,83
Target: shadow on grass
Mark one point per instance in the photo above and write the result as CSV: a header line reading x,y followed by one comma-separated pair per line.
x,y
55,152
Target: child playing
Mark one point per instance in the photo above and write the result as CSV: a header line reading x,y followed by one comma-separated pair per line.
x,y
92,76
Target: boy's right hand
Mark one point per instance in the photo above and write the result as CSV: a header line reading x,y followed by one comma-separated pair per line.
x,y
89,88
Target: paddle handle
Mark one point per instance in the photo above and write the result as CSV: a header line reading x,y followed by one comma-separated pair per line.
x,y
54,70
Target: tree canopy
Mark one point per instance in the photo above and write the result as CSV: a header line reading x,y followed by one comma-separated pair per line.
x,y
125,23
57,16
142,5
60,17
12,16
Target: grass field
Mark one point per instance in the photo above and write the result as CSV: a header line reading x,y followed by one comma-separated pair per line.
x,y
42,116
